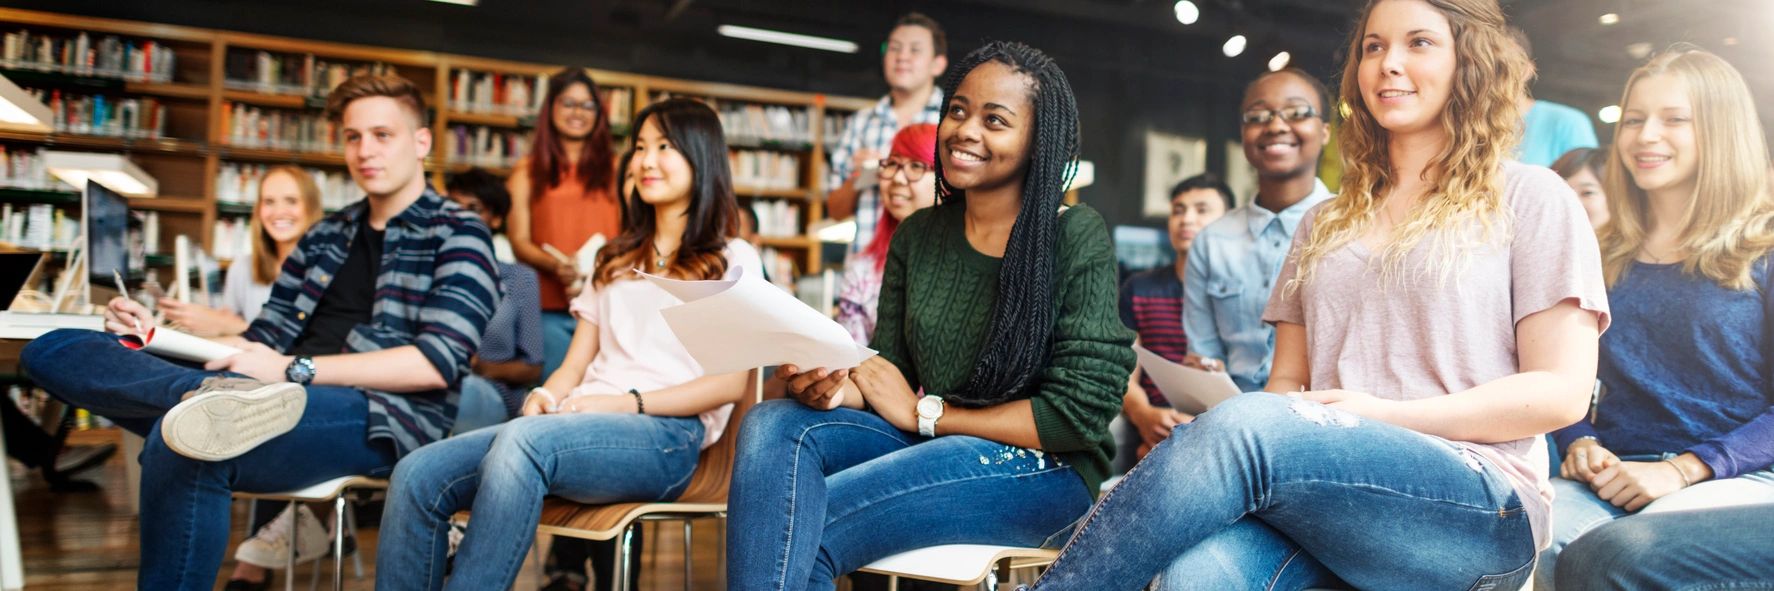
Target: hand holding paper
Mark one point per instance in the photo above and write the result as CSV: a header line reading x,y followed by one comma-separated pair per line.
x,y
170,343
1189,390
739,324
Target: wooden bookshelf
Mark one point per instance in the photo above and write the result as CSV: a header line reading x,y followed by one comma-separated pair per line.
x,y
188,161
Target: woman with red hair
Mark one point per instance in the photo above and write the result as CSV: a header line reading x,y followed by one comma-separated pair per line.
x,y
906,186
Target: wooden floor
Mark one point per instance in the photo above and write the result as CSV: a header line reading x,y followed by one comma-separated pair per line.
x,y
90,541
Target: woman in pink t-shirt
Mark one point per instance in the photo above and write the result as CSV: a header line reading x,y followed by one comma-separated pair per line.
x,y
626,415
1432,321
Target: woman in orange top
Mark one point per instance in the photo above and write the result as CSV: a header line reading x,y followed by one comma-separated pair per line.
x,y
562,197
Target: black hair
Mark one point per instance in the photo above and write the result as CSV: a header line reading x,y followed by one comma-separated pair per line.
x,y
1018,338
1206,180
1326,109
483,185
694,131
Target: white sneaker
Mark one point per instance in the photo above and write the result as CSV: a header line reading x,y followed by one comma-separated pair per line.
x,y
223,423
270,548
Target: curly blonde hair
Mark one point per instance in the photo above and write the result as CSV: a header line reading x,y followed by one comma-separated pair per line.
x,y
1482,120
1730,217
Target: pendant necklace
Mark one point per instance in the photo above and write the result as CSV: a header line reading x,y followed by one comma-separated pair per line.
x,y
659,257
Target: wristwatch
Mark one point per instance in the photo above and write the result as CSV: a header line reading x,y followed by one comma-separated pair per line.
x,y
300,370
930,409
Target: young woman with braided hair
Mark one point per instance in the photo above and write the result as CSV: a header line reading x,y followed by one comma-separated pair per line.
x,y
1433,320
999,307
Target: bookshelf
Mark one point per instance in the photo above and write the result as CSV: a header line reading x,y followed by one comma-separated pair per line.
x,y
207,111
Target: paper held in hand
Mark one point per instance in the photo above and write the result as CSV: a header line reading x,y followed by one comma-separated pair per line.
x,y
739,324
170,343
1189,390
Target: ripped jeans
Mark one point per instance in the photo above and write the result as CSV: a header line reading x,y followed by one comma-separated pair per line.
x,y
1268,492
818,494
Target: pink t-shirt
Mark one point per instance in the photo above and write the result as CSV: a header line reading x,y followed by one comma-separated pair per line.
x,y
636,349
1414,336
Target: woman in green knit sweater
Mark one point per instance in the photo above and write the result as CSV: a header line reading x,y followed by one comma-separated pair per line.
x,y
985,417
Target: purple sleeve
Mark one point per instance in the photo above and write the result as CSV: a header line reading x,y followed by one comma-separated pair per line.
x,y
1745,449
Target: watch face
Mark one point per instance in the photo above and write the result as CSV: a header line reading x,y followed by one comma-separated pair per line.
x,y
929,407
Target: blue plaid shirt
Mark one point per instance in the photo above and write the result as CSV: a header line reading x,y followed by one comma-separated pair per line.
x,y
872,130
437,290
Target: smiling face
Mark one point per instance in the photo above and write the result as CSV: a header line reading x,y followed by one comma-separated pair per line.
x,y
661,173
984,137
1283,148
910,61
901,195
1407,65
1190,211
384,145
280,208
574,112
1656,139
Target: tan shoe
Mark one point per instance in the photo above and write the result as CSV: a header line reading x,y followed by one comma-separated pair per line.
x,y
221,423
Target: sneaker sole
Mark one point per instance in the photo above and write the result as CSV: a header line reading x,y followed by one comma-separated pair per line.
x,y
222,425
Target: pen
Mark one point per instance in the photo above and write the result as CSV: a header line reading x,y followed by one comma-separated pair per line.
x,y
118,276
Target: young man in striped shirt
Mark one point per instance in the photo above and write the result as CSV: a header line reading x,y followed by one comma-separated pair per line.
x,y
354,362
1152,305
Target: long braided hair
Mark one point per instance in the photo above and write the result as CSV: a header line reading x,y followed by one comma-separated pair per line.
x,y
1017,342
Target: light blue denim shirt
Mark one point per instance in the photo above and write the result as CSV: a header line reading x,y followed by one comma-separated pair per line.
x,y
1232,267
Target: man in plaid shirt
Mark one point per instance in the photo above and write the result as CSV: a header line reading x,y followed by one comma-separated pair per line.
x,y
915,54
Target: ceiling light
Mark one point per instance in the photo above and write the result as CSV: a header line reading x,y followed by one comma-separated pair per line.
x,y
1609,18
1233,46
114,171
20,110
1609,114
1279,61
1639,51
781,38
1187,13
461,2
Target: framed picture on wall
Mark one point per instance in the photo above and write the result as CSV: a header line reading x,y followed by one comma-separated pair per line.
x,y
1240,175
1170,158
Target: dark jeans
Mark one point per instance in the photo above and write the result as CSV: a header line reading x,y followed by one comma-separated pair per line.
x,y
184,508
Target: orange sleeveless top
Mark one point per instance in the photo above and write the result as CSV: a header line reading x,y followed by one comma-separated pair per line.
x,y
566,216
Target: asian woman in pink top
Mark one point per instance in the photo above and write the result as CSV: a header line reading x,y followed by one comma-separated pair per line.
x,y
626,416
1433,320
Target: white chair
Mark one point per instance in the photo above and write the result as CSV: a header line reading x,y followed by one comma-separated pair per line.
x,y
332,490
964,565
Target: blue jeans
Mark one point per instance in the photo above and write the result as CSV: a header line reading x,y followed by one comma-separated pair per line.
x,y
184,510
503,472
817,494
1576,510
1729,548
557,335
1268,492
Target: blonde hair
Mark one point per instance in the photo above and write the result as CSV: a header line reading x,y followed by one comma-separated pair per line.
x,y
1482,121
265,261
1729,222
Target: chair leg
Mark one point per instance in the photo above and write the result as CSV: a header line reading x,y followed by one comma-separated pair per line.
x,y
892,583
289,567
339,542
351,526
686,555
624,552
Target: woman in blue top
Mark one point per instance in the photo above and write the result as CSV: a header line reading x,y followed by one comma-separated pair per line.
x,y
1686,415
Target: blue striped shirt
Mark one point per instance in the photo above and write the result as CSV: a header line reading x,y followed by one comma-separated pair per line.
x,y
437,290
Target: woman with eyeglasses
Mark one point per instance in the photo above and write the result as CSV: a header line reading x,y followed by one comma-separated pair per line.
x,y
906,186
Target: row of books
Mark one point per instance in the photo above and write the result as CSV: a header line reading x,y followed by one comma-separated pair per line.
x,y
835,124
747,124
231,239
38,226
251,126
480,145
238,183
22,168
109,57
777,218
761,169
143,117
495,93
287,73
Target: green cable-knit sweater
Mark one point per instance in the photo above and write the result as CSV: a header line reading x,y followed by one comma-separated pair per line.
x,y
936,307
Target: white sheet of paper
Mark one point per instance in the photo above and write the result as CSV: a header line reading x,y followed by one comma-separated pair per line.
x,y
1189,390
738,324
167,342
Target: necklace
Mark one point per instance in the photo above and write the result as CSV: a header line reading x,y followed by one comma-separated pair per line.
x,y
659,257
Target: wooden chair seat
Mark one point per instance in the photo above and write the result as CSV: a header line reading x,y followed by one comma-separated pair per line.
x,y
962,565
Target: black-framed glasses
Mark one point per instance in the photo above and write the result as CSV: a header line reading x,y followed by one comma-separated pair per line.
x,y
589,105
914,169
1289,114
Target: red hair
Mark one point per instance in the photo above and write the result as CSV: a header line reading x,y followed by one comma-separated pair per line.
x,y
917,142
